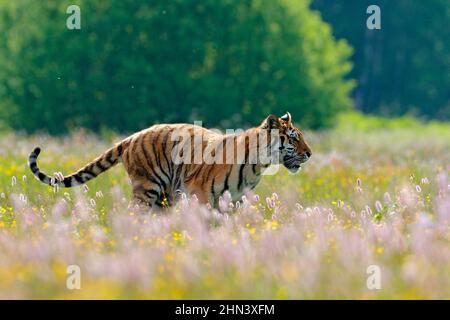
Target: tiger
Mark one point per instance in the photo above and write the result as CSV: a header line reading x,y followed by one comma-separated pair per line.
x,y
158,177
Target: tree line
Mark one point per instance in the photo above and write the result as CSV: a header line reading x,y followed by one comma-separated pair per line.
x,y
403,68
134,63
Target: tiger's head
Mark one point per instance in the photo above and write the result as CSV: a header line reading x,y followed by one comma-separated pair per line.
x,y
293,149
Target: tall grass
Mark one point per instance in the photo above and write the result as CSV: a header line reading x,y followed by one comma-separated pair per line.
x,y
369,196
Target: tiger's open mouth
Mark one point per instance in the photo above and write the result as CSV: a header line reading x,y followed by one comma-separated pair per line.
x,y
295,168
294,164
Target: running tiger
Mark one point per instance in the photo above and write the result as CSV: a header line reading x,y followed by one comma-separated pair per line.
x,y
161,166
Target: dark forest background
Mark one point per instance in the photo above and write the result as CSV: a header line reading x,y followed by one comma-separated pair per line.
x,y
226,62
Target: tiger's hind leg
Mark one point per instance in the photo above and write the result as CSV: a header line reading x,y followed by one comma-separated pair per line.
x,y
147,195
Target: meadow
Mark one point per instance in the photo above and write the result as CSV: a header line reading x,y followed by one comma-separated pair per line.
x,y
375,193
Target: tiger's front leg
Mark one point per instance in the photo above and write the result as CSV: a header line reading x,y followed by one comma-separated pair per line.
x,y
204,186
202,195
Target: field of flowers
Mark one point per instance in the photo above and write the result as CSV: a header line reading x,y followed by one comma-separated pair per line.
x,y
368,196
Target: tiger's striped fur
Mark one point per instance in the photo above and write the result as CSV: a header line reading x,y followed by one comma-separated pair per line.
x,y
157,180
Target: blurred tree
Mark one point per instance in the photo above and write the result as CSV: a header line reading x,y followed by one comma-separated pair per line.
x,y
134,63
404,68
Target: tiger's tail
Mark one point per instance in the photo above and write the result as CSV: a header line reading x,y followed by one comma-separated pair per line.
x,y
105,161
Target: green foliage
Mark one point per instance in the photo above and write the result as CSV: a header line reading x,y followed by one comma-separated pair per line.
x,y
404,68
356,121
134,63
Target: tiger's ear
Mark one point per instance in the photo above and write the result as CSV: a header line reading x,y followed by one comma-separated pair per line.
x,y
271,122
286,117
